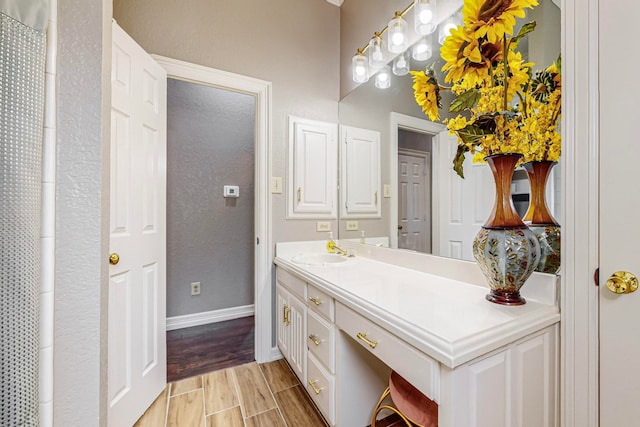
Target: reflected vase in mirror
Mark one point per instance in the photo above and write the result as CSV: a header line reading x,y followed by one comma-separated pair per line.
x,y
540,220
505,249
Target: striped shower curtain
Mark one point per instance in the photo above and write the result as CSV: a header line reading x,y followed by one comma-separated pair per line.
x,y
22,93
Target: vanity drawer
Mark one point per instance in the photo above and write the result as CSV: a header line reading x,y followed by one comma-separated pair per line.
x,y
416,367
321,388
293,283
320,302
321,340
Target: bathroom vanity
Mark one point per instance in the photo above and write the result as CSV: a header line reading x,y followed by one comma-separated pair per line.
x,y
344,323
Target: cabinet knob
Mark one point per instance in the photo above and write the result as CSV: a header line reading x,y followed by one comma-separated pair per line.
x,y
622,282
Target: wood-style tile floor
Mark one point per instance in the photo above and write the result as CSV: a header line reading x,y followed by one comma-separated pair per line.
x,y
249,395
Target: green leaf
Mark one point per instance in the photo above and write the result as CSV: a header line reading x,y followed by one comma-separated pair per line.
x,y
465,100
526,29
458,160
559,63
471,133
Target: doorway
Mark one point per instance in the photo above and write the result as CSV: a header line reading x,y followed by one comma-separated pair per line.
x,y
414,140
414,191
210,227
257,230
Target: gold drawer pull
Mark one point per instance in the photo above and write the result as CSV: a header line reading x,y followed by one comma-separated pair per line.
x,y
364,338
287,310
315,300
313,386
315,339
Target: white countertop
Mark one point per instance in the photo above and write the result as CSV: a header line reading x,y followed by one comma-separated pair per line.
x,y
449,320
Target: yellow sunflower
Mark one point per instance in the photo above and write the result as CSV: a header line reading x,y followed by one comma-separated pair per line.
x,y
494,18
427,94
463,58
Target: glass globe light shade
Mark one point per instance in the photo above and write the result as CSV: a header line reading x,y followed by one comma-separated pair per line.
x,y
360,65
424,16
448,25
422,50
376,52
401,64
383,78
397,34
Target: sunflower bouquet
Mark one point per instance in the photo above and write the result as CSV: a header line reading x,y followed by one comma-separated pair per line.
x,y
502,107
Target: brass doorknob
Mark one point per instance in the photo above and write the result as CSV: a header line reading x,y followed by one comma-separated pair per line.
x,y
114,258
622,282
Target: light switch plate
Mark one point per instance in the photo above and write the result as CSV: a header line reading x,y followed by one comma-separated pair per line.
x,y
276,184
352,225
386,190
323,226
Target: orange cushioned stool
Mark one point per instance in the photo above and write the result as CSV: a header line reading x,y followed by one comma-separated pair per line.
x,y
411,405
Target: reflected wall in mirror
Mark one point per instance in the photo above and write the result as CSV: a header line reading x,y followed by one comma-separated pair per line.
x,y
425,206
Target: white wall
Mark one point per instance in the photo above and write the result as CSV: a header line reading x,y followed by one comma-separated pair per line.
x,y
82,194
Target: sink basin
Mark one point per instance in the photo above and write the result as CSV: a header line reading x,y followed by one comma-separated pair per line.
x,y
319,259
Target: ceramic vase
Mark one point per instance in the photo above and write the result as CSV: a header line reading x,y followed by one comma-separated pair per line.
x,y
505,249
540,220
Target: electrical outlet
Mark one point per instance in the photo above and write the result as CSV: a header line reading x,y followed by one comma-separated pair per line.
x,y
386,192
352,225
195,288
276,184
323,226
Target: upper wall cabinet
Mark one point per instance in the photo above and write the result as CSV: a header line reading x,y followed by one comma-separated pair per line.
x,y
359,173
313,169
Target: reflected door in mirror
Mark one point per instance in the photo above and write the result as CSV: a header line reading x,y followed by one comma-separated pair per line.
x,y
414,201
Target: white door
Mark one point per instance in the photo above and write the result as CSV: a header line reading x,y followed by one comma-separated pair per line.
x,y
137,355
619,227
414,202
464,204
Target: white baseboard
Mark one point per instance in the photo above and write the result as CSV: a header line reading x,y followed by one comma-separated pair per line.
x,y
275,354
206,317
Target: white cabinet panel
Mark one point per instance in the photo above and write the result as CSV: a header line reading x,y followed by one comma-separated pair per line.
x,y
291,330
313,169
360,173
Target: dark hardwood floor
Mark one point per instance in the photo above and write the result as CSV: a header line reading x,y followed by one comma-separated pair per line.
x,y
201,349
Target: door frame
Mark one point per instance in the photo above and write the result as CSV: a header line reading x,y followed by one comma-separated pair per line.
x,y
263,254
402,121
579,363
427,156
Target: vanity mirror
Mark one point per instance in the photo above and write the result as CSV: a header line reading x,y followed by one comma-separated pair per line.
x,y
424,206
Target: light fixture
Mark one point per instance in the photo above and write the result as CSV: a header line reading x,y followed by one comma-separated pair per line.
x,y
375,51
401,64
383,78
450,24
424,16
422,49
397,34
360,65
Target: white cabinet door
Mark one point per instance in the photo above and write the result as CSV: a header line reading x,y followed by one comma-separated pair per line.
x,y
514,387
283,320
137,355
298,337
291,330
360,173
313,169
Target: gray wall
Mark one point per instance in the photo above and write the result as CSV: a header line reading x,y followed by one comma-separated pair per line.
x,y
210,143
82,214
410,140
293,44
